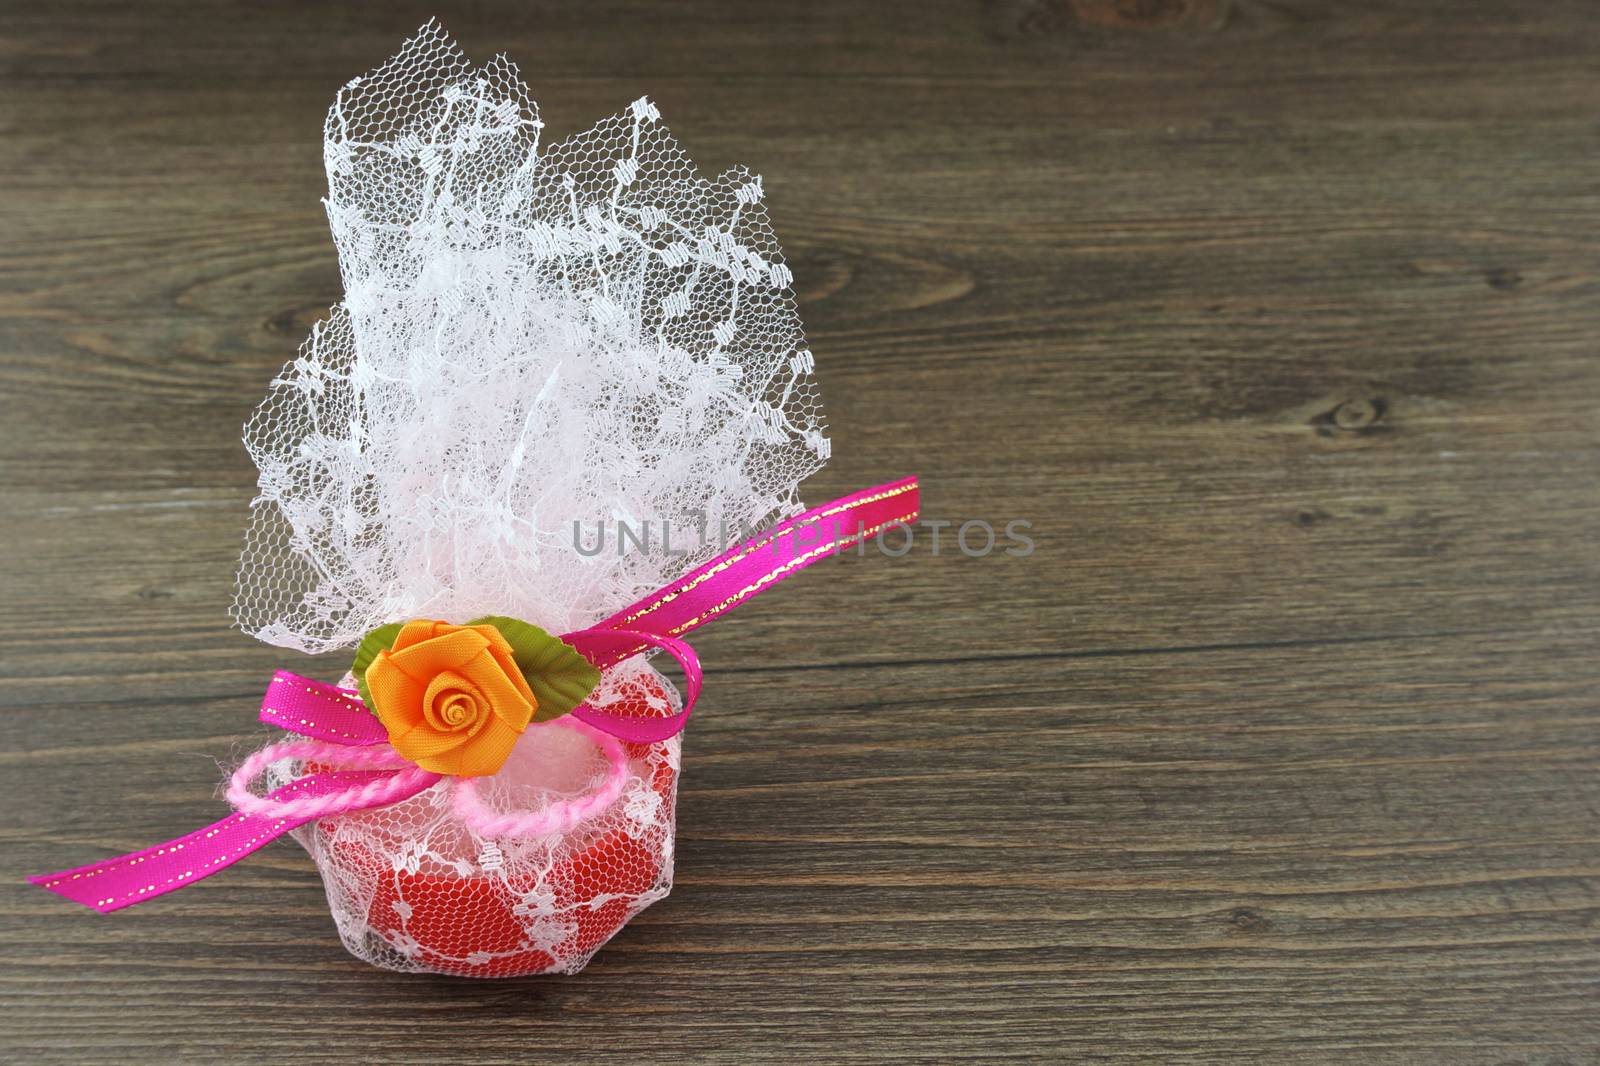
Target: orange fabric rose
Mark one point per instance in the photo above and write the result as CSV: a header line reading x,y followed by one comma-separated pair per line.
x,y
452,697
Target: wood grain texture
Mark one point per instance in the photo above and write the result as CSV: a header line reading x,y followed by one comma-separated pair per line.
x,y
1276,319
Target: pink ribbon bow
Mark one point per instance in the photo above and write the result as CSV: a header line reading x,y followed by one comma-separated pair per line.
x,y
366,772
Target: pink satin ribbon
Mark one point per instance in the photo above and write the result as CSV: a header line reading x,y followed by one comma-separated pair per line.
x,y
342,734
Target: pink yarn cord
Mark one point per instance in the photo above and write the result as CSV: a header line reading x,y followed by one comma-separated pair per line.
x,y
555,818
380,791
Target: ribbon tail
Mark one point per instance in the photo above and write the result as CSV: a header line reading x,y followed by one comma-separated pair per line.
x,y
779,553
143,875
723,584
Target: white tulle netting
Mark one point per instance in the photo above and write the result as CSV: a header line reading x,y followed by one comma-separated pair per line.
x,y
538,345
532,337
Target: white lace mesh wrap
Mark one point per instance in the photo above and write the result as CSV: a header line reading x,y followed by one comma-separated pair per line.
x,y
413,889
530,337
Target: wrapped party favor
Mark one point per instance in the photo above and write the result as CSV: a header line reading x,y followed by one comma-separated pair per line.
x,y
558,421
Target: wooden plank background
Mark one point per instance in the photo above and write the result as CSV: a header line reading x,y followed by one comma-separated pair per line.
x,y
1276,319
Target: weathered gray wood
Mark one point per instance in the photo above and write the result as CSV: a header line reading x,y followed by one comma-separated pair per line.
x,y
1276,320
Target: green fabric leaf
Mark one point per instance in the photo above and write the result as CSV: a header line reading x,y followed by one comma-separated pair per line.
x,y
380,639
559,677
